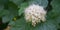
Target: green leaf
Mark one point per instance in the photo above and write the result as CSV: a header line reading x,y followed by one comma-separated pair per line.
x,y
10,13
22,7
55,13
3,12
43,3
22,25
1,7
19,24
17,2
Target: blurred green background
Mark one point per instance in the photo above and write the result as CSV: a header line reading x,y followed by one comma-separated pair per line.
x,y
11,14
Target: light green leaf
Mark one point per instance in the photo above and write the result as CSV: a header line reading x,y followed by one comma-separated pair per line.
x,y
22,7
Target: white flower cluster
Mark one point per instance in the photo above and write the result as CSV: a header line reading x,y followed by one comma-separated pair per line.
x,y
35,14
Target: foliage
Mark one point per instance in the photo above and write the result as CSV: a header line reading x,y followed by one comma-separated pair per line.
x,y
12,11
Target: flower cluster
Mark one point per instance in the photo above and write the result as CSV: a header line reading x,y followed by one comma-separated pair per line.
x,y
35,14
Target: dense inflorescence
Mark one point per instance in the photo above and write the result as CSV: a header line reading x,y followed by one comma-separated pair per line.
x,y
35,14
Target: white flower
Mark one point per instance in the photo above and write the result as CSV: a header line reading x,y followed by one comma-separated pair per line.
x,y
35,14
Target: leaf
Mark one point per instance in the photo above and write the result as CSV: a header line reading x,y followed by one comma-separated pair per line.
x,y
1,7
22,25
22,7
43,3
9,13
3,12
17,2
56,10
18,25
55,15
6,16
